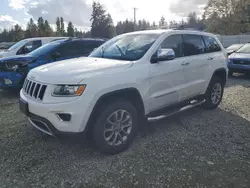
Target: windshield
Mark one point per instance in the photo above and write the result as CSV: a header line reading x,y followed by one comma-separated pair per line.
x,y
44,49
18,45
234,46
128,47
244,49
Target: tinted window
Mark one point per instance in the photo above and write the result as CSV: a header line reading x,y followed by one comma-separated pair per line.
x,y
174,42
211,44
77,48
89,46
70,49
193,45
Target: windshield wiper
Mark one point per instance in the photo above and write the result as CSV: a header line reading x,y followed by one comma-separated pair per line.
x,y
102,52
120,50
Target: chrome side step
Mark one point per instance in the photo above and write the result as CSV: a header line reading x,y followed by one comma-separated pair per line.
x,y
192,104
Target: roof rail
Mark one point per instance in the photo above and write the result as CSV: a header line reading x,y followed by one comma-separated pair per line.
x,y
183,27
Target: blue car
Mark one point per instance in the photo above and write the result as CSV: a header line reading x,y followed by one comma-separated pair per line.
x,y
13,70
239,61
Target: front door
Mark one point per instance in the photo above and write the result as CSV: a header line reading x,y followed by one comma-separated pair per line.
x,y
167,82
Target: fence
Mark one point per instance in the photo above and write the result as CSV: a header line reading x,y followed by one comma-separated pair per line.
x,y
228,40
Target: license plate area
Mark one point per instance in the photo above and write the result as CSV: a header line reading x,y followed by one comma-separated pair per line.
x,y
24,107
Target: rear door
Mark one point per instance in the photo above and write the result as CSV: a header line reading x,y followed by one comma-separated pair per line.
x,y
195,70
70,50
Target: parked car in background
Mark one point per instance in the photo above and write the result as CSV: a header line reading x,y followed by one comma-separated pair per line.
x,y
26,46
126,80
13,70
231,49
239,61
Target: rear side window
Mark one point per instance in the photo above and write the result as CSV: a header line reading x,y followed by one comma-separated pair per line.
x,y
174,42
77,48
89,46
193,45
211,44
71,49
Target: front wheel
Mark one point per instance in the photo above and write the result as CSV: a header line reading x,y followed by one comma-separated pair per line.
x,y
214,93
116,127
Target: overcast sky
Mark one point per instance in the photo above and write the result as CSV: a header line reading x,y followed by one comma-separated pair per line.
x,y
79,11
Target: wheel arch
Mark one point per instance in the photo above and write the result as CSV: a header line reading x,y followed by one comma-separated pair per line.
x,y
221,73
131,94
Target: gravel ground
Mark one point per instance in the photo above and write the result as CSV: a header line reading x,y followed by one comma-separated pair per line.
x,y
196,148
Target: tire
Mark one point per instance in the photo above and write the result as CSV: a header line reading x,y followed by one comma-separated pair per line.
x,y
105,140
212,102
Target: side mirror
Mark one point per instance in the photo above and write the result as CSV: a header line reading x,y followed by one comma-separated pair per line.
x,y
163,55
56,55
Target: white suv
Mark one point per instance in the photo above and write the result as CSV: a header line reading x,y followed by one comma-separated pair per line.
x,y
128,79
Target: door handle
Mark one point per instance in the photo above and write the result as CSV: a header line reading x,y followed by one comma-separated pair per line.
x,y
185,63
210,58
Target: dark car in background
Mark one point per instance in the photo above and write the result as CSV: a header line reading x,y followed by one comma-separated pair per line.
x,y
239,61
13,70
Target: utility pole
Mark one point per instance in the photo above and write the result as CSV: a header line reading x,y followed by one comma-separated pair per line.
x,y
135,9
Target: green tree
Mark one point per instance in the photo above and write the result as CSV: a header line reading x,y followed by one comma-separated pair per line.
x,y
231,16
48,31
17,33
102,23
192,18
62,29
58,27
70,30
162,22
40,27
31,30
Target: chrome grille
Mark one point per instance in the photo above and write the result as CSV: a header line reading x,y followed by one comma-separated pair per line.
x,y
34,89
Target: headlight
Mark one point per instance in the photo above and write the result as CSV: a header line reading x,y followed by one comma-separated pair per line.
x,y
12,66
68,90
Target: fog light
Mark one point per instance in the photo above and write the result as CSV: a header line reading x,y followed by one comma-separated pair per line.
x,y
7,81
64,117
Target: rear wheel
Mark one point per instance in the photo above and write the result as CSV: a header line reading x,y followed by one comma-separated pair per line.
x,y
214,93
116,127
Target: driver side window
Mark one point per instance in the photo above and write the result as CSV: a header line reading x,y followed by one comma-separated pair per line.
x,y
174,42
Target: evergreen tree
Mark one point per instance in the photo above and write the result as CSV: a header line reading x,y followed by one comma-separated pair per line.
x,y
102,23
58,27
40,27
62,30
31,30
48,31
70,30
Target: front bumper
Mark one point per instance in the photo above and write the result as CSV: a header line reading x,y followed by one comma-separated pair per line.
x,y
44,116
238,67
10,80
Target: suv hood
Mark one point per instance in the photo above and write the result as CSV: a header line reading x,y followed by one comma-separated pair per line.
x,y
18,58
239,56
15,63
75,70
